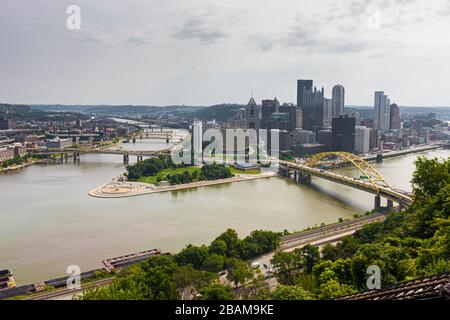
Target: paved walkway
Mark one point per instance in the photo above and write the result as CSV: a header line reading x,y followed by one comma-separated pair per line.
x,y
117,189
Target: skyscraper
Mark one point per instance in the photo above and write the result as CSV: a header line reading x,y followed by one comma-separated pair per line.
x,y
253,115
338,100
343,134
302,86
394,118
292,111
381,104
269,107
298,118
327,112
312,107
362,139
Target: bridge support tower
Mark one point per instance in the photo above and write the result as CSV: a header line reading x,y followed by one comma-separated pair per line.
x,y
377,205
303,178
76,156
390,204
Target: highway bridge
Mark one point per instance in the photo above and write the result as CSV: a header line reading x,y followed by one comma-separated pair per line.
x,y
371,181
75,153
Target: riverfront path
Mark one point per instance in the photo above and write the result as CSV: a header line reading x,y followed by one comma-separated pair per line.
x,y
116,189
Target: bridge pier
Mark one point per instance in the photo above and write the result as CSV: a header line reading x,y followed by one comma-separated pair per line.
x,y
303,178
377,205
126,159
390,204
140,158
76,156
282,171
379,158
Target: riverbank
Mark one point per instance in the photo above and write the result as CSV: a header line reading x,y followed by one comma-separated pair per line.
x,y
117,189
23,165
399,153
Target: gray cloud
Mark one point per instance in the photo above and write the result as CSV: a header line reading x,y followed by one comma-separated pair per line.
x,y
201,29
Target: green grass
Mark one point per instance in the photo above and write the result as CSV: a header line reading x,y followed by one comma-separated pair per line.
x,y
165,172
238,171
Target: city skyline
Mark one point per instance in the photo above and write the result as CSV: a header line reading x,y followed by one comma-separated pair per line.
x,y
201,53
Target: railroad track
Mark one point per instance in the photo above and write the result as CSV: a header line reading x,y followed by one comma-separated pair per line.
x,y
66,292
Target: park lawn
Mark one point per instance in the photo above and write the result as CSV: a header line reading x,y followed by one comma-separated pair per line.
x,y
238,171
165,172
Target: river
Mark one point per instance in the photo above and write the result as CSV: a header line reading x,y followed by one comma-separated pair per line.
x,y
49,222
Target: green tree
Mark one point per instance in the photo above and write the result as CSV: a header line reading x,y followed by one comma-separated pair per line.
x,y
288,266
291,293
214,263
217,291
191,282
330,252
192,255
240,273
231,239
333,289
310,255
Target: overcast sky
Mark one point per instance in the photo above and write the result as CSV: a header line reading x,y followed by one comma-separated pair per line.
x,y
202,52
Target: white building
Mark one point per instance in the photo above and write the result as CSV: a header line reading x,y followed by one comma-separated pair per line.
x,y
382,111
58,143
362,139
338,100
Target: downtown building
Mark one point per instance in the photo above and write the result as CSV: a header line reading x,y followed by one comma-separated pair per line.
x,y
313,109
338,101
362,139
343,134
394,117
382,111
327,112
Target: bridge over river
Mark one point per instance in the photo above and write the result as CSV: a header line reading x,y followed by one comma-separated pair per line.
x,y
371,181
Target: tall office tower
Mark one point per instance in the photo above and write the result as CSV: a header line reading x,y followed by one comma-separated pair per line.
x,y
269,107
381,104
324,138
327,112
312,107
302,86
374,139
338,98
343,134
362,139
197,138
394,122
253,115
298,118
291,110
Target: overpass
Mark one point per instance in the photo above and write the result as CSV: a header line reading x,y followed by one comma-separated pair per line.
x,y
125,153
371,181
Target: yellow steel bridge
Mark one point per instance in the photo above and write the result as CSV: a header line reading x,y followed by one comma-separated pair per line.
x,y
372,180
